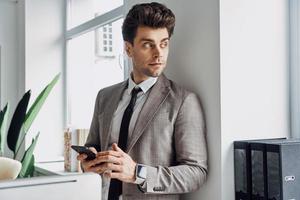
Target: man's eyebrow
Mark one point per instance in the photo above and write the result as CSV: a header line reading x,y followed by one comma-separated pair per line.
x,y
165,39
150,40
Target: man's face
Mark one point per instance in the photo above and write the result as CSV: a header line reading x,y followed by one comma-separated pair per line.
x,y
149,52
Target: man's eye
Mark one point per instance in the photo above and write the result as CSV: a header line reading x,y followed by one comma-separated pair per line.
x,y
147,45
165,44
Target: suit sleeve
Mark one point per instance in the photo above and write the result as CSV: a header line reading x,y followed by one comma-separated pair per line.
x,y
191,154
93,139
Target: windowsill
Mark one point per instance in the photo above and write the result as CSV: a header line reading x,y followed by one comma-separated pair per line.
x,y
51,168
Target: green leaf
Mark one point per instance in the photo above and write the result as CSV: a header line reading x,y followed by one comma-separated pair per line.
x,y
31,167
35,108
17,122
3,124
30,170
28,160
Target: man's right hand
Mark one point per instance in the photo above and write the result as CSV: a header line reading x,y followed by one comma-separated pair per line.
x,y
104,161
88,166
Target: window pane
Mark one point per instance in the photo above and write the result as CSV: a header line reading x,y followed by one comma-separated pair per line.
x,y
81,11
91,68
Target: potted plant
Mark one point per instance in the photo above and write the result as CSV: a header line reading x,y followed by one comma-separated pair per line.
x,y
22,163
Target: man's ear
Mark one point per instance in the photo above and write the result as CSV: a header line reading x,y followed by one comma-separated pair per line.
x,y
128,48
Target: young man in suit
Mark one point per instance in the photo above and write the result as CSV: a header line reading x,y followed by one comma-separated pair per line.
x,y
147,132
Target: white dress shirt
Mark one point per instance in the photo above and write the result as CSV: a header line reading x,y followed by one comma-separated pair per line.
x,y
124,101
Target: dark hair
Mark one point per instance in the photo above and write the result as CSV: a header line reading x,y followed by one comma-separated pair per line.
x,y
154,15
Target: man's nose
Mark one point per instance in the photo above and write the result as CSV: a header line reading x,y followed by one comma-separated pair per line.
x,y
157,52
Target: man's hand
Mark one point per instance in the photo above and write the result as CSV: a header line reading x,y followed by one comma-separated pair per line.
x,y
88,166
100,163
125,171
114,164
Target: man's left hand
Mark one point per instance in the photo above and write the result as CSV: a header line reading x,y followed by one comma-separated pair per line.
x,y
124,169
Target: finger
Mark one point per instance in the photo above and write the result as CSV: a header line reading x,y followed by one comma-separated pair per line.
x,y
114,168
90,163
112,153
81,157
99,169
93,150
108,159
118,149
108,167
115,175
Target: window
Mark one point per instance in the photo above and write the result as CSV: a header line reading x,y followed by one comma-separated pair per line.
x,y
82,11
104,46
94,55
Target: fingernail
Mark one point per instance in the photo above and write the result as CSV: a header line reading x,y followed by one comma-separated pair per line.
x,y
106,174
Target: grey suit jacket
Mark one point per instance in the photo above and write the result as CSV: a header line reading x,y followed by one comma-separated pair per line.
x,y
169,137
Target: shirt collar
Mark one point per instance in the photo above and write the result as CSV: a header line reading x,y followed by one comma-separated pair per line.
x,y
145,85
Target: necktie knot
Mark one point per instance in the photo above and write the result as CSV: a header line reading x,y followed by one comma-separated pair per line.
x,y
134,94
135,91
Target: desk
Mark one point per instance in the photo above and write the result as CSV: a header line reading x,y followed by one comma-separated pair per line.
x,y
51,168
53,188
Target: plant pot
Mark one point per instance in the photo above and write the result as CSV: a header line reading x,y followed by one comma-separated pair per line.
x,y
9,168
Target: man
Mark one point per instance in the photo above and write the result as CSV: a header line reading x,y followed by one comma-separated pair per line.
x,y
147,132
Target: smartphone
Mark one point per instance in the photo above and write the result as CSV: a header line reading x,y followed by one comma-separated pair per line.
x,y
82,149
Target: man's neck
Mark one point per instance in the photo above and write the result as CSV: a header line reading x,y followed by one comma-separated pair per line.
x,y
138,79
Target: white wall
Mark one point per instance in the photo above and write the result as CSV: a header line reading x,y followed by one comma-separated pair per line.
x,y
9,46
44,28
194,62
235,57
38,25
254,76
12,73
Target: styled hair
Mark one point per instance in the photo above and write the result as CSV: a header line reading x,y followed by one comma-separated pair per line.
x,y
153,15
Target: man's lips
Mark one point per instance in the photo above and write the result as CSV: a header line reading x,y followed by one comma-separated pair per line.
x,y
155,64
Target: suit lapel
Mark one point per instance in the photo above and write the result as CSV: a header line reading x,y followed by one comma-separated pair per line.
x,y
157,96
109,111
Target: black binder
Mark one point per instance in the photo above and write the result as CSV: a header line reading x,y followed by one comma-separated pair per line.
x,y
243,168
283,174
258,171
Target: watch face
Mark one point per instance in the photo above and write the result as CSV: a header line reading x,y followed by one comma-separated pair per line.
x,y
141,171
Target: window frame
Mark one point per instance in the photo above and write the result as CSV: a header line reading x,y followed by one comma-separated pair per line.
x,y
91,25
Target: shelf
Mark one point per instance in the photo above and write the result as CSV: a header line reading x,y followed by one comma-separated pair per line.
x,y
51,168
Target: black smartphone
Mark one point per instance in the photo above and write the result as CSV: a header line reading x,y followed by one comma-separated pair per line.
x,y
82,149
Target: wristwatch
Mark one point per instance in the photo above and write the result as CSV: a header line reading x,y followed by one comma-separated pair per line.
x,y
140,174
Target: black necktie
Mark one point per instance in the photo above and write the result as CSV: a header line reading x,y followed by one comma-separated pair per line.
x,y
115,188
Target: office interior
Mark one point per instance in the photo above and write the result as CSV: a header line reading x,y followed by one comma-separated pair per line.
x,y
239,57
